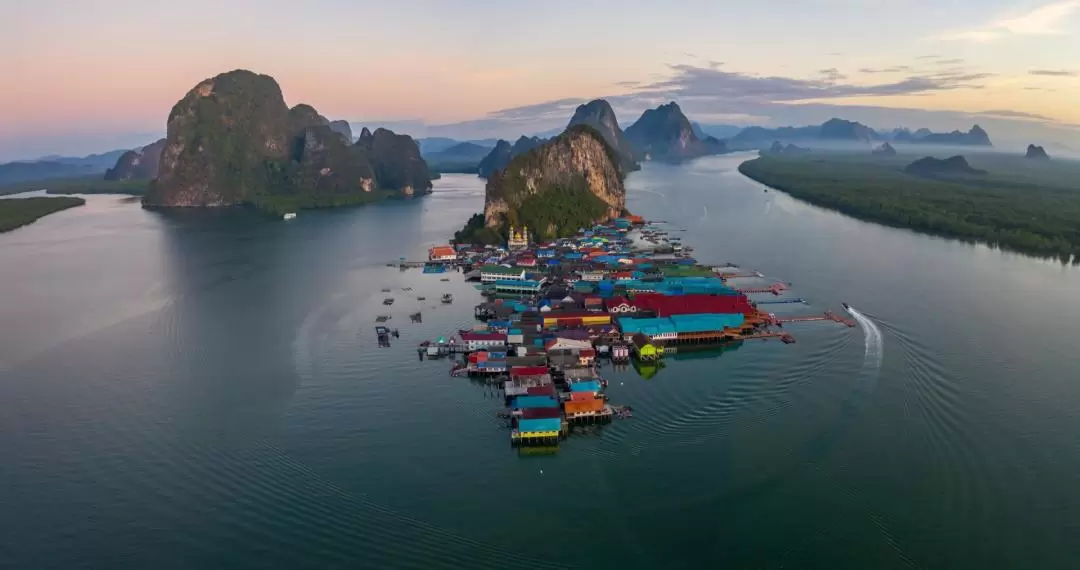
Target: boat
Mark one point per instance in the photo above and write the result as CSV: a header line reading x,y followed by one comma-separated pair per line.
x,y
289,216
448,298
388,301
847,307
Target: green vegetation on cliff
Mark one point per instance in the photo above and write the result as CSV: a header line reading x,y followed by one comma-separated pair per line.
x,y
560,210
17,212
232,140
475,232
1016,204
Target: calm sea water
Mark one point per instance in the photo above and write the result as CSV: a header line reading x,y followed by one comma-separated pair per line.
x,y
204,390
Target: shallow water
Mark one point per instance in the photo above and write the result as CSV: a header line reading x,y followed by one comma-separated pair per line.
x,y
204,389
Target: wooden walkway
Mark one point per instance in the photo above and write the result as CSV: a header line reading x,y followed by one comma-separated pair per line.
x,y
828,316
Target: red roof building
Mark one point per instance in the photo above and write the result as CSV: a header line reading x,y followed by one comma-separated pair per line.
x,y
528,371
667,305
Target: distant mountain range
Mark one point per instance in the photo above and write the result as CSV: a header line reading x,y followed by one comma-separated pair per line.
x,y
661,134
504,152
459,157
54,166
430,145
840,130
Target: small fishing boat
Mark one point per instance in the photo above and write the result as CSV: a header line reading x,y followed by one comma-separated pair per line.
x,y
388,301
289,216
447,298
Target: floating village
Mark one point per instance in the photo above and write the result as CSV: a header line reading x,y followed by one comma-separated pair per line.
x,y
625,292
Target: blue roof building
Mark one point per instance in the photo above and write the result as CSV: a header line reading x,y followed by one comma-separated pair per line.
x,y
522,402
586,386
667,327
541,424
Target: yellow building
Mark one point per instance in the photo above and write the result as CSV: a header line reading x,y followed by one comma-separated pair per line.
x,y
575,319
518,239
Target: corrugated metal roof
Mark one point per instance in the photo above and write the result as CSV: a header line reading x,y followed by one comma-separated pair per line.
x,y
533,402
578,406
528,370
681,323
538,413
539,424
499,269
586,386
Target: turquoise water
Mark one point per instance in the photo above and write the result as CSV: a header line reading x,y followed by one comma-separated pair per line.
x,y
204,389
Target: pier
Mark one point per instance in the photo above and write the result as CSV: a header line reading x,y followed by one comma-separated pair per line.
x,y
775,289
827,316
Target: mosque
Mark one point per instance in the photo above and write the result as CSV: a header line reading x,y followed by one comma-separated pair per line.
x,y
518,239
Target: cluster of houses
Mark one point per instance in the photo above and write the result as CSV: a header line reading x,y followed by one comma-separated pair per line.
x,y
553,308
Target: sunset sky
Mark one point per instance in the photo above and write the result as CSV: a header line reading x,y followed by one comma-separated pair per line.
x,y
93,75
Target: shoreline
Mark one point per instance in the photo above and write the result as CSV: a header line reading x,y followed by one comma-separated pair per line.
x,y
887,220
20,212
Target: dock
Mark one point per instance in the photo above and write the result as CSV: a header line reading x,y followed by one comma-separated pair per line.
x,y
827,316
775,289
781,301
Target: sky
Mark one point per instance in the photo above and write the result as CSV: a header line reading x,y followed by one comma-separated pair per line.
x,y
93,75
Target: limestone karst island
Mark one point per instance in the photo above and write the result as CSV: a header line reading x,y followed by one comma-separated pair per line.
x,y
424,285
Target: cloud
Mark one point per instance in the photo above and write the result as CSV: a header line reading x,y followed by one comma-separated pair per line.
x,y
1041,21
1053,72
894,69
713,95
693,81
832,74
1006,114
953,61
929,56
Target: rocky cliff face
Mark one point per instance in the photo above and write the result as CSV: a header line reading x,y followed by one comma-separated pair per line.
x,y
139,164
1036,153
232,140
885,149
570,181
504,152
839,129
396,161
220,136
935,167
975,137
342,128
665,134
599,115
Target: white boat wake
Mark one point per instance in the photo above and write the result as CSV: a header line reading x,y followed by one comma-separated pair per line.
x,y
875,344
